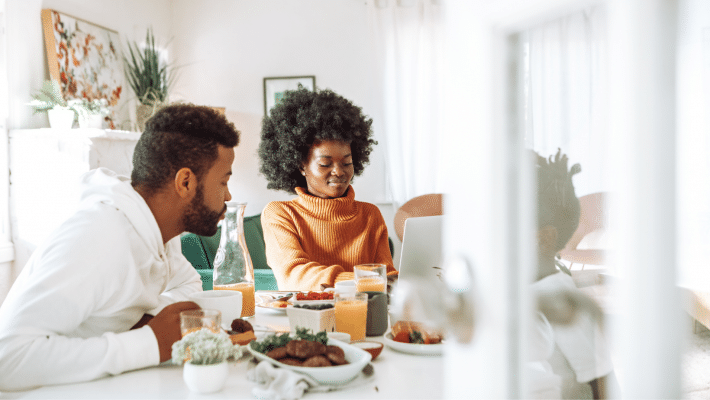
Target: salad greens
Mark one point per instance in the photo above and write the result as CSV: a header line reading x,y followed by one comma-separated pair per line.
x,y
279,340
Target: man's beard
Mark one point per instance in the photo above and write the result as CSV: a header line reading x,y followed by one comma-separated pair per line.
x,y
199,219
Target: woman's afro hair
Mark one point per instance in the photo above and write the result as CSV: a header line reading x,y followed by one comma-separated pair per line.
x,y
300,119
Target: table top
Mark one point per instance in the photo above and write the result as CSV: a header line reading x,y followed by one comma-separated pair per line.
x,y
392,378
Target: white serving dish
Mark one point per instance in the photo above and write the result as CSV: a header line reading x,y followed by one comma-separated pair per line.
x,y
335,375
419,349
315,320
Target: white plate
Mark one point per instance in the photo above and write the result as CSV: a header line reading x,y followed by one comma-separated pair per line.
x,y
419,349
269,308
335,375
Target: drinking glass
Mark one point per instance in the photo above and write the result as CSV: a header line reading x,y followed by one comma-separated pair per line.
x,y
351,314
194,320
371,277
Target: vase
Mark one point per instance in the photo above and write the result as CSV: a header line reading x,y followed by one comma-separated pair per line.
x,y
205,378
60,119
233,269
144,112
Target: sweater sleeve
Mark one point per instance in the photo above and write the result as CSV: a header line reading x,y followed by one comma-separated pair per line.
x,y
54,323
293,268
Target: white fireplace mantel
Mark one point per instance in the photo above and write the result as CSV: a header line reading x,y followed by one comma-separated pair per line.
x,y
45,167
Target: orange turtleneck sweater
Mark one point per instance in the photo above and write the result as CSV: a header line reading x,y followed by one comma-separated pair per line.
x,y
310,240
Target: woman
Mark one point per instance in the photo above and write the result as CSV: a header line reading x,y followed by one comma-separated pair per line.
x,y
312,144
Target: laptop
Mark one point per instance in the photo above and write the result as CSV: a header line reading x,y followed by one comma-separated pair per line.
x,y
421,248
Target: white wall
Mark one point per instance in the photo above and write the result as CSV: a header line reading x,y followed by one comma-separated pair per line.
x,y
27,59
225,48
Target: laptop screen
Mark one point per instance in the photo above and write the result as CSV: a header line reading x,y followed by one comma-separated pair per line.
x,y
421,248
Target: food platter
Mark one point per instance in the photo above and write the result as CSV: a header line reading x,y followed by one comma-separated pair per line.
x,y
419,349
335,375
267,301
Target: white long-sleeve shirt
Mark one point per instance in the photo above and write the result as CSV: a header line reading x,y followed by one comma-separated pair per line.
x,y
68,316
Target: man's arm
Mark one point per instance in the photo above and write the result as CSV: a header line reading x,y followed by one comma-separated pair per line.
x,y
183,279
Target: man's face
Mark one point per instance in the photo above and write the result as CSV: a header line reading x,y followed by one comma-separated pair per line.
x,y
328,169
207,206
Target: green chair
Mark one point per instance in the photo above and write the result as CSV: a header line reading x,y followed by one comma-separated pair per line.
x,y
201,250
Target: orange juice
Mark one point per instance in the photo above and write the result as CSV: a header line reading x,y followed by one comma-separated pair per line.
x,y
248,301
351,318
371,284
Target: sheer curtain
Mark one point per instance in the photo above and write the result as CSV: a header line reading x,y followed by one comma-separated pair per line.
x,y
406,38
565,104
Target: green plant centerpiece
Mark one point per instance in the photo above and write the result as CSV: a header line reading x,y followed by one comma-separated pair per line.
x,y
150,78
204,347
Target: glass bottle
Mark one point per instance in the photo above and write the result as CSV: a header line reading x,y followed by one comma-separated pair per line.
x,y
233,269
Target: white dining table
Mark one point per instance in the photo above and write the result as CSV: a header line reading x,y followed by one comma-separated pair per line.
x,y
396,376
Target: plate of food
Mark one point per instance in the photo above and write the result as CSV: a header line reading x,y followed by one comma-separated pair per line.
x,y
413,338
312,298
271,303
326,360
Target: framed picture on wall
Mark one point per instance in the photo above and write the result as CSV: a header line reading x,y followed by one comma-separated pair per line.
x,y
274,88
84,58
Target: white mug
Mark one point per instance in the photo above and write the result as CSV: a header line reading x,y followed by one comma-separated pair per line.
x,y
345,287
229,302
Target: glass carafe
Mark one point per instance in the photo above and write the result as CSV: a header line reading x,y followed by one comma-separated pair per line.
x,y
233,269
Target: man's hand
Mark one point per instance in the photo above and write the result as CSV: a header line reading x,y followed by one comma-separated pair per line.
x,y
166,326
144,320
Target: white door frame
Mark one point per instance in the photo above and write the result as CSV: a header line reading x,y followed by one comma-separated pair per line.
x,y
483,218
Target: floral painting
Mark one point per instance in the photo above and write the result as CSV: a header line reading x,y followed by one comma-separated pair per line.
x,y
84,58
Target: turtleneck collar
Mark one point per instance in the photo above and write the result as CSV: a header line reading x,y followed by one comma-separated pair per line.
x,y
341,208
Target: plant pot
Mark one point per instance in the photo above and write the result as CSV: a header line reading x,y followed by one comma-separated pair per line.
x,y
60,119
205,378
95,121
143,112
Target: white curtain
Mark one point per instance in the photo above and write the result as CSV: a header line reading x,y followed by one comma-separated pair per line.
x,y
565,103
406,37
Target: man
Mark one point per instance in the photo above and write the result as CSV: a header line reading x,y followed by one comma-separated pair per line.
x,y
581,356
104,293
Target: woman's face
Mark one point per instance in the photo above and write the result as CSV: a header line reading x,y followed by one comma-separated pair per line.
x,y
328,169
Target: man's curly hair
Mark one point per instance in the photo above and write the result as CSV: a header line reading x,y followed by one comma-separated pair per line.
x,y
179,136
300,119
557,203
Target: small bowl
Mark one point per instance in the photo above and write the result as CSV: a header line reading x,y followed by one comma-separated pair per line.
x,y
374,348
342,336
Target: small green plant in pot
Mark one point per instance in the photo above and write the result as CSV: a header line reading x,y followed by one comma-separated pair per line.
x,y
206,353
150,78
61,112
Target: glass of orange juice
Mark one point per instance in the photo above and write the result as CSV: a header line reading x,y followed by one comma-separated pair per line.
x,y
194,320
351,314
371,277
248,300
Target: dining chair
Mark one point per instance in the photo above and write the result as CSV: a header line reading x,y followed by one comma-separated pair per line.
x,y
586,246
425,205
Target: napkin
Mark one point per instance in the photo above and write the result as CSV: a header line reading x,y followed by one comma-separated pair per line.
x,y
275,383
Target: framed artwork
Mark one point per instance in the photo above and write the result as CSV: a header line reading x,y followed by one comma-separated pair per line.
x,y
274,88
84,58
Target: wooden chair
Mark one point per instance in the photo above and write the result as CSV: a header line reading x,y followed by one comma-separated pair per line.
x,y
591,225
421,206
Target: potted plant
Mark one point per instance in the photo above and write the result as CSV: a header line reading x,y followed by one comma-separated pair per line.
x,y
96,112
61,112
149,77
205,354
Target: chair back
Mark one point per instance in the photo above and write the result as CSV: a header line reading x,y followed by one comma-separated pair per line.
x,y
592,223
421,206
201,250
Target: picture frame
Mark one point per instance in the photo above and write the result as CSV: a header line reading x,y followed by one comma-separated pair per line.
x,y
274,88
85,58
